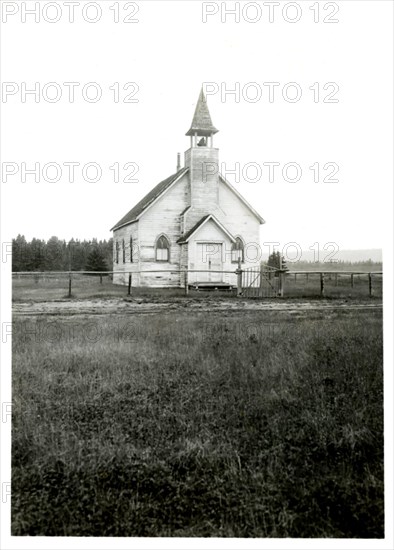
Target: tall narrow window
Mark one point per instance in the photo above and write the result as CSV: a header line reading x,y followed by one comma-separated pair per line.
x,y
123,252
162,249
117,252
237,251
131,249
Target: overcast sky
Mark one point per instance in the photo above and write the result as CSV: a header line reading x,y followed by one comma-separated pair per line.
x,y
169,53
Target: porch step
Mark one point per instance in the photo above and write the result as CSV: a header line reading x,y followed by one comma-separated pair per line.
x,y
211,286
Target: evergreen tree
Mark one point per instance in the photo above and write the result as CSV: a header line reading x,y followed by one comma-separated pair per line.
x,y
274,261
35,259
96,261
19,253
54,255
57,255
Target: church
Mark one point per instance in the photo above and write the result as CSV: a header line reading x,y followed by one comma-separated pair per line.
x,y
194,221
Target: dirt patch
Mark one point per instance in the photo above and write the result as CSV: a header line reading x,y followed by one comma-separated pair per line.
x,y
144,306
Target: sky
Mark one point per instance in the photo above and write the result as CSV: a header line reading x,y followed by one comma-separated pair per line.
x,y
331,110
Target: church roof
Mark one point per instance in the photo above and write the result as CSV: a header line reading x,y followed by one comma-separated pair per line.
x,y
202,122
160,188
135,212
199,224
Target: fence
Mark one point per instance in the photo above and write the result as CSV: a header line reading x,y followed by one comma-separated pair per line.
x,y
262,282
354,284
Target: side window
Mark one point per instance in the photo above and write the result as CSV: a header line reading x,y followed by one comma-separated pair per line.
x,y
117,252
123,252
131,249
162,253
237,250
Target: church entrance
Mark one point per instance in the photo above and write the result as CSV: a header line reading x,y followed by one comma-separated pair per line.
x,y
210,261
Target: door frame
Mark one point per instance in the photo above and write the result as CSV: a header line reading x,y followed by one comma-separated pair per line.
x,y
207,241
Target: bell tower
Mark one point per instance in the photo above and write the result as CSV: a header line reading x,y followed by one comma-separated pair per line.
x,y
202,159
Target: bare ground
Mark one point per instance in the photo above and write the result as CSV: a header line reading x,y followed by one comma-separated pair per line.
x,y
146,306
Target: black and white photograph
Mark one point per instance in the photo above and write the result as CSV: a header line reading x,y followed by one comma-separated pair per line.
x,y
196,274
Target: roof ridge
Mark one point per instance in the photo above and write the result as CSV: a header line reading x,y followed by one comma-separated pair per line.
x,y
148,199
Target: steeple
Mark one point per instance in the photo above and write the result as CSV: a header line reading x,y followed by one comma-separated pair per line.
x,y
202,160
202,122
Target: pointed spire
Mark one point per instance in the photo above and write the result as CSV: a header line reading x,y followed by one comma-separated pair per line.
x,y
202,123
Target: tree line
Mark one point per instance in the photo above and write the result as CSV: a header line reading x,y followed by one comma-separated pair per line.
x,y
55,254
76,255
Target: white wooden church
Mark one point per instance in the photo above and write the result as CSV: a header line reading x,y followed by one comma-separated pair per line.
x,y
193,220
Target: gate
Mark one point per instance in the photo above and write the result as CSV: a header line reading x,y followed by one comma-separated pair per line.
x,y
260,282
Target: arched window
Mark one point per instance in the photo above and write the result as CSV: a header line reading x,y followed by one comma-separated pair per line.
x,y
237,251
117,252
131,249
162,249
123,252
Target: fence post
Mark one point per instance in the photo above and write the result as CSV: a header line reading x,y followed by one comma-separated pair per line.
x,y
129,287
69,285
352,280
260,290
370,283
321,284
186,283
101,279
336,279
281,277
239,279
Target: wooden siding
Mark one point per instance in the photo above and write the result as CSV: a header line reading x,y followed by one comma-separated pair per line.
x,y
163,218
126,232
204,185
240,222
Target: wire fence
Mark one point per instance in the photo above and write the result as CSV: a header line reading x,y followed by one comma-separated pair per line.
x,y
246,283
334,284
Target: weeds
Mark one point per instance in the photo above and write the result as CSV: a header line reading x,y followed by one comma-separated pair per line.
x,y
193,431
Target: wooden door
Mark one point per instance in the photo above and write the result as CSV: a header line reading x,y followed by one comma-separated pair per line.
x,y
209,259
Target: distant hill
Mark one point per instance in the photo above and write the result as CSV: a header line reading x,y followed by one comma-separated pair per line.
x,y
353,256
373,254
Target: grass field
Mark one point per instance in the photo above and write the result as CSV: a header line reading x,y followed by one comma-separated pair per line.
x,y
268,424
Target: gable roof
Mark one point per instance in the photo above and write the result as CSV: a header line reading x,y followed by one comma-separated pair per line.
x,y
202,222
146,201
160,188
202,122
223,179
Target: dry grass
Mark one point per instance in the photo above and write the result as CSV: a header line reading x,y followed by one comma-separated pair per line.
x,y
196,425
